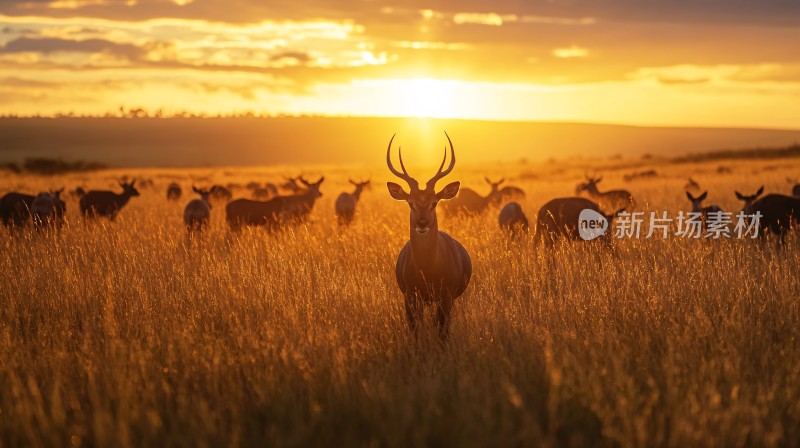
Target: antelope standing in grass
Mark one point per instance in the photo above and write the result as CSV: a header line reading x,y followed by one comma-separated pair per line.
x,y
469,201
248,212
779,213
15,208
346,202
512,219
174,192
559,219
47,209
611,198
296,208
198,211
749,200
697,205
510,192
432,268
107,203
220,193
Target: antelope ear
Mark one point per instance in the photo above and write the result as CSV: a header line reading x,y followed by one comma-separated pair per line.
x,y
449,191
703,196
689,195
396,191
739,196
760,190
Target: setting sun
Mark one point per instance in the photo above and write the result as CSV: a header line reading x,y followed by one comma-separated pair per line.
x,y
430,98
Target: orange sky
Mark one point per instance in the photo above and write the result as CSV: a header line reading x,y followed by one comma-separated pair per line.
x,y
698,63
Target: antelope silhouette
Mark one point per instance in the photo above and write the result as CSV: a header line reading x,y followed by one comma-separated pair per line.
x,y
220,193
432,267
107,203
47,209
558,219
174,192
15,208
198,211
512,219
749,200
346,202
296,208
697,205
469,201
611,198
779,213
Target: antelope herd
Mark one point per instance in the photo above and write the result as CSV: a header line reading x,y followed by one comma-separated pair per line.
x,y
432,268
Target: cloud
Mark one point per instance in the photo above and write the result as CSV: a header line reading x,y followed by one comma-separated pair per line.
x,y
52,45
571,52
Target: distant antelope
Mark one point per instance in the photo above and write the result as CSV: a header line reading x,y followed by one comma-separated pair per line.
x,y
248,212
511,192
260,192
78,192
779,213
432,268
559,219
48,209
611,198
469,201
15,209
273,190
346,202
296,208
198,211
697,205
512,219
174,192
220,193
749,200
107,203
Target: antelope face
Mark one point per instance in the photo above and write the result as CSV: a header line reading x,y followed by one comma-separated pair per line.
x,y
312,189
129,188
697,201
422,201
748,200
589,185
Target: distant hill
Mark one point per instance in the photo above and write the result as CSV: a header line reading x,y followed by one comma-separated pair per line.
x,y
176,142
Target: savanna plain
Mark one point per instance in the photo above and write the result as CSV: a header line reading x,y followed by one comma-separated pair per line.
x,y
129,333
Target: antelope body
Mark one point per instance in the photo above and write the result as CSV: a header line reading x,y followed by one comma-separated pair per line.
x,y
512,219
511,192
796,191
346,202
248,212
778,213
15,208
107,203
198,211
220,193
432,267
469,201
174,192
611,198
558,219
48,209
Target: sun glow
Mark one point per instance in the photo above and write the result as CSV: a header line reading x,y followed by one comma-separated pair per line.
x,y
426,97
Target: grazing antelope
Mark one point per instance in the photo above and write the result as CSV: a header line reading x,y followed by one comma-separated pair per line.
x,y
611,198
432,268
296,208
15,209
220,193
469,201
512,219
346,202
174,192
198,211
48,209
107,203
779,213
510,192
697,205
78,192
749,200
248,212
558,219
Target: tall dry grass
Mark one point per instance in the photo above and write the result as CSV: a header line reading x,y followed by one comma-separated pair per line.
x,y
127,334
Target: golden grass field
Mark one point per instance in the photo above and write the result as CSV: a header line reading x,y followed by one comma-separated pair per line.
x,y
124,334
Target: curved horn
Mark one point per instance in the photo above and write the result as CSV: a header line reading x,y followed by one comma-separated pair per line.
x,y
412,183
440,174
